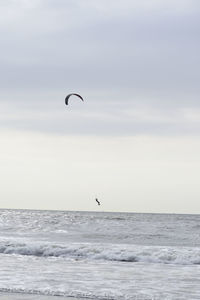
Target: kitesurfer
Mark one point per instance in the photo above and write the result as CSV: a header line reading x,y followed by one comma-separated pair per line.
x,y
97,201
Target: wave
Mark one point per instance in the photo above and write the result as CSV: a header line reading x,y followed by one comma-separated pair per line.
x,y
59,294
107,252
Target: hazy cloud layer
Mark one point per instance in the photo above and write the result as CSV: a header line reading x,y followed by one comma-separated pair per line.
x,y
135,62
134,142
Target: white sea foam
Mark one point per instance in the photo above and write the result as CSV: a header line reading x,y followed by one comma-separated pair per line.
x,y
97,279
108,252
100,255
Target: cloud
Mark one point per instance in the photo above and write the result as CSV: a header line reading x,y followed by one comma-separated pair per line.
x,y
100,119
135,62
37,169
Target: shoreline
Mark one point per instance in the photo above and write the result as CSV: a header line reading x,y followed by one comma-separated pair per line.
x,y
26,296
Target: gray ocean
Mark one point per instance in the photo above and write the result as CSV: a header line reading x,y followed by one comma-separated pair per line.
x,y
99,255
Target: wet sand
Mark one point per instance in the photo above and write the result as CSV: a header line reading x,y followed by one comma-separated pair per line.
x,y
21,296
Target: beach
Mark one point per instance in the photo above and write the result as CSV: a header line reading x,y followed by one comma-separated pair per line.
x,y
20,296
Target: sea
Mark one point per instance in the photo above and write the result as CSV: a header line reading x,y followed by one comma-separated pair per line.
x,y
59,255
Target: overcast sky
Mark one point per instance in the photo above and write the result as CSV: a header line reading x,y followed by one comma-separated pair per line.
x,y
135,141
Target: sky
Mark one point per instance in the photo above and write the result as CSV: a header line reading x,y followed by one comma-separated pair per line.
x,y
135,141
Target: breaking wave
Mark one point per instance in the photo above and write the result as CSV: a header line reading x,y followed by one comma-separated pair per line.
x,y
107,252
72,294
60,294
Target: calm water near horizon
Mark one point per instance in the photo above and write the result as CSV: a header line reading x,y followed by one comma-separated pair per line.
x,y
98,255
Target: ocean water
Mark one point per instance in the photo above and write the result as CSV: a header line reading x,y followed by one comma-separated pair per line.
x,y
99,255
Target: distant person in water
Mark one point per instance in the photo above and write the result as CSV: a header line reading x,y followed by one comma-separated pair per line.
x,y
97,201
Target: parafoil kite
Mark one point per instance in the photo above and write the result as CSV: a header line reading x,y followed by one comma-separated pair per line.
x,y
67,98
